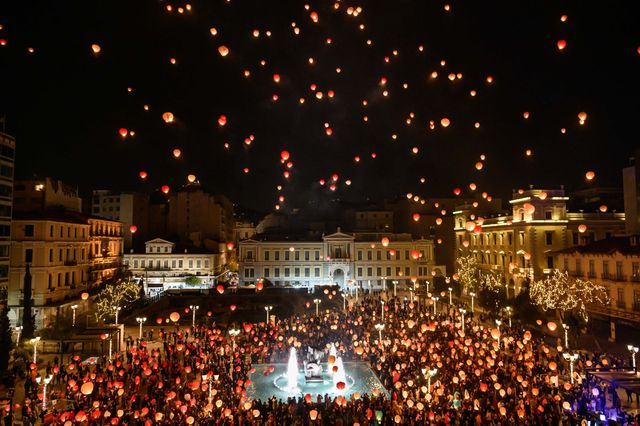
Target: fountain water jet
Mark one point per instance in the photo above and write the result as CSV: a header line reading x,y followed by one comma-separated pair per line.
x,y
340,375
292,371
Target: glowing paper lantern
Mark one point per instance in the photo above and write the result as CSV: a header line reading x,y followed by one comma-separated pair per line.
x,y
259,285
96,48
416,217
313,414
553,366
191,178
340,385
133,229
87,388
590,175
223,51
479,165
230,246
582,228
529,208
220,288
222,120
445,122
84,296
175,316
385,241
415,254
177,153
142,174
168,117
561,44
165,189
552,326
123,132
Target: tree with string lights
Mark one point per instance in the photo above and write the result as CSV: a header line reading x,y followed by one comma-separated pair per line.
x,y
467,272
115,295
566,294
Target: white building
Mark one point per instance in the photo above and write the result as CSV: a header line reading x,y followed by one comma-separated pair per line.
x,y
337,259
164,265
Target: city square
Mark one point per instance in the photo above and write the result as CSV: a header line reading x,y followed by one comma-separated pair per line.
x,y
240,212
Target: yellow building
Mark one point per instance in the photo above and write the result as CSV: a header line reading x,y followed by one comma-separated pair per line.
x,y
522,245
60,248
614,263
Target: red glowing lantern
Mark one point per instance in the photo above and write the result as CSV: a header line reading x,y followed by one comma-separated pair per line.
x,y
415,254
222,120
123,132
133,229
230,246
233,307
175,316
416,217
220,288
561,44
456,191
84,296
165,189
259,285
340,385
284,155
142,174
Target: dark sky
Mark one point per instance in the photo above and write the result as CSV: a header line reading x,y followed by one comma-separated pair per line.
x,y
65,104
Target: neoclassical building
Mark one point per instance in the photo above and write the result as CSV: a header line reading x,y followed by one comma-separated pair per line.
x,y
341,259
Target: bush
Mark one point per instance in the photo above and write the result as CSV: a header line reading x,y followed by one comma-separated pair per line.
x,y
192,280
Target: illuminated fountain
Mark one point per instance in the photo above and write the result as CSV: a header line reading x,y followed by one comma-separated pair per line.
x,y
340,376
292,371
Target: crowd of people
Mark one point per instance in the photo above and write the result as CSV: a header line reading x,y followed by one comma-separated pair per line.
x,y
436,367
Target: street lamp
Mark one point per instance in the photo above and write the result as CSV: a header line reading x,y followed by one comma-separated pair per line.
x,y
571,358
384,283
566,335
379,327
73,320
473,296
411,294
268,309
508,308
450,300
427,282
117,310
634,351
382,309
19,330
435,301
498,324
233,332
395,283
344,302
45,381
35,341
194,308
463,311
317,301
430,374
141,320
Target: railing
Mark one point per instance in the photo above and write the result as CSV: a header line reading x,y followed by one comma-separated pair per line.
x,y
70,263
635,277
591,274
577,273
605,276
621,277
157,268
621,304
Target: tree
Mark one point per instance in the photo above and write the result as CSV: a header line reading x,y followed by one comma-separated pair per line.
x,y
192,280
492,295
118,294
28,320
467,272
565,294
6,342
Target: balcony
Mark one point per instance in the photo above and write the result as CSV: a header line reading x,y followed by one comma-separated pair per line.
x,y
70,263
577,273
606,276
620,277
157,268
635,277
591,274
620,304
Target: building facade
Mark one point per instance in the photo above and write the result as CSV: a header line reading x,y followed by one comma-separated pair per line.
x,y
42,194
337,259
521,245
130,208
7,156
67,253
614,263
164,264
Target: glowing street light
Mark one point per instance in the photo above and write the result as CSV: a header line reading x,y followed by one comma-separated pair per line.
x,y
193,308
117,310
473,296
268,309
379,327
450,299
233,332
435,301
344,302
571,358
395,283
382,310
141,320
73,320
318,301
508,309
34,342
463,311
430,374
19,330
45,381
633,350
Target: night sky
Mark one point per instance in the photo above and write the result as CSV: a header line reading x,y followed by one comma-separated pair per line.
x,y
65,104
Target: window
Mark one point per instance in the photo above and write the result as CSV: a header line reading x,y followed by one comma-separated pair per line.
x,y
359,271
510,238
407,271
316,272
276,272
28,230
287,272
297,255
50,255
306,272
369,271
388,255
306,255
619,270
166,249
206,263
359,254
190,263
592,268
286,255
521,238
318,255
406,255
249,254
142,263
276,255
180,263
266,255
621,303
388,271
579,266
605,268
635,270
338,252
550,262
198,263
266,272
28,255
51,231
135,263
548,214
378,255
368,254
548,236
296,272
379,271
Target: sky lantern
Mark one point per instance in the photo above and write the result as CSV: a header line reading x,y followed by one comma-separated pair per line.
x,y
563,18
284,155
479,165
133,229
87,388
525,115
582,228
123,132
276,78
445,122
552,326
175,316
223,50
385,241
220,288
222,120
177,153
165,189
191,178
590,175
416,217
142,174
470,225
582,117
603,208
456,191
168,117
96,48
529,208
561,44
230,245
438,221
84,296
415,254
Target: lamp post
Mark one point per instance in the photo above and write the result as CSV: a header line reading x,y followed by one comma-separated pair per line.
x,y
411,294
473,296
110,348
317,302
566,335
430,374
498,324
233,332
45,382
141,320
450,299
384,283
344,302
382,310
435,301
19,330
35,341
571,358
268,309
194,308
463,311
633,350
508,309
117,310
73,318
395,283
427,282
379,327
